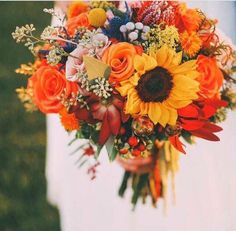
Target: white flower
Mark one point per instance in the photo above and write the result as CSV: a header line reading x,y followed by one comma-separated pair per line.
x,y
100,42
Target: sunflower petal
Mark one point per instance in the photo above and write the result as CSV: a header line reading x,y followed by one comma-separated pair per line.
x,y
154,112
161,55
139,64
165,116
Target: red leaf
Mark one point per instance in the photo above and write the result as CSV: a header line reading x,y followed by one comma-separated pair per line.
x,y
190,111
174,140
212,127
205,134
105,130
190,125
208,111
217,103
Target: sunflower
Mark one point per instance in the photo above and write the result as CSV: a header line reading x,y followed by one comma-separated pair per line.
x,y
160,86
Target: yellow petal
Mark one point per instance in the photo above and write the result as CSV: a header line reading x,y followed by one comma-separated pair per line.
x,y
176,104
139,64
143,108
133,101
173,116
123,90
134,79
161,55
154,112
150,62
165,116
177,59
182,82
185,67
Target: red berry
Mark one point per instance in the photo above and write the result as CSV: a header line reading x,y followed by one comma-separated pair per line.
x,y
133,141
122,131
123,151
141,147
136,152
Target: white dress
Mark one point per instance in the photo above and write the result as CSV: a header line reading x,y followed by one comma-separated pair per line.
x,y
205,184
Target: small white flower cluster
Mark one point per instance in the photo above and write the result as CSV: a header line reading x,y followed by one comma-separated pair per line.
x,y
48,32
54,56
21,33
132,31
82,102
101,88
83,79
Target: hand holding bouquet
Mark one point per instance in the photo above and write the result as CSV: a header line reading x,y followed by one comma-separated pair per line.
x,y
137,78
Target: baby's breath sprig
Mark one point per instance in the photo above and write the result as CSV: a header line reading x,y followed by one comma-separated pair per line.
x,y
57,14
55,55
101,87
24,35
68,101
81,100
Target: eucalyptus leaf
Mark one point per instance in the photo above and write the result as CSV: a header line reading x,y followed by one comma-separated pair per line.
x,y
111,150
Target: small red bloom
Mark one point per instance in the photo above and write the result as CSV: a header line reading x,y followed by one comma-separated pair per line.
x,y
133,141
136,152
141,147
123,151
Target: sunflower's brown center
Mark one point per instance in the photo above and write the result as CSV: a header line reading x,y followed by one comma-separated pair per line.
x,y
155,85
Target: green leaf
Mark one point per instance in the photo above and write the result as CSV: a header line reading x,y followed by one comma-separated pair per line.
x,y
97,153
111,150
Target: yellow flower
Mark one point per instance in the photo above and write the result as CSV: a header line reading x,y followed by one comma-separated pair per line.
x,y
160,86
97,17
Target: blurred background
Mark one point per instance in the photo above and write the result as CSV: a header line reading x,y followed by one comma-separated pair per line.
x,y
23,204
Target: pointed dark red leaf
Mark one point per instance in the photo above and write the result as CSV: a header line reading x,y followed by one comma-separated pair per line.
x,y
217,103
205,134
212,127
175,141
105,130
114,119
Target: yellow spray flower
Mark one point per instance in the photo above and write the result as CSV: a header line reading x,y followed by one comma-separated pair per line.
x,y
160,86
97,17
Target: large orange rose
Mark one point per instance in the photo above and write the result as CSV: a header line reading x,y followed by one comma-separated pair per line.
x,y
48,84
211,77
120,58
76,22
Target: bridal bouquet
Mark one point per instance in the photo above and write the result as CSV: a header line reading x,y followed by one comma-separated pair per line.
x,y
136,77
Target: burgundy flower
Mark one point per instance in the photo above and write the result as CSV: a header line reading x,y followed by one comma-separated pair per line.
x,y
111,114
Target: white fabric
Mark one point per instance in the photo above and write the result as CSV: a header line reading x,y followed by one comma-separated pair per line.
x,y
205,184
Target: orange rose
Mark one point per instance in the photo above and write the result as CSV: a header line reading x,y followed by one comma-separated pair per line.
x,y
211,77
120,58
76,22
76,8
48,84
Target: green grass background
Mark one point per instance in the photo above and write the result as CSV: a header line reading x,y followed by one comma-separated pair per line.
x,y
23,204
